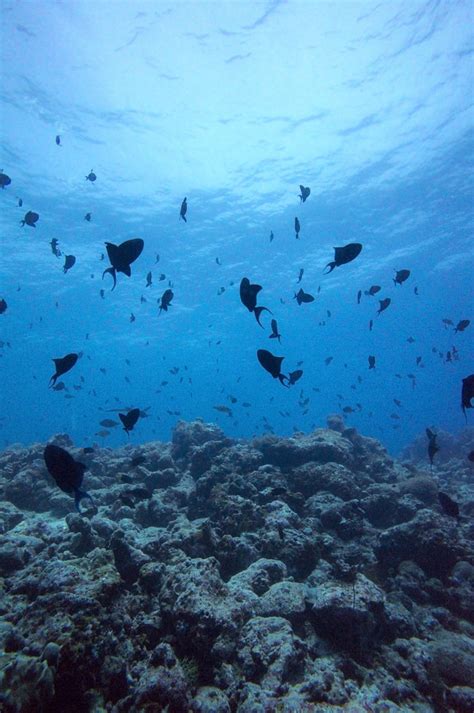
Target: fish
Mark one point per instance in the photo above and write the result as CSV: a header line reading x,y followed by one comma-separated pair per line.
x,y
297,228
248,297
359,295
372,290
371,362
102,293
103,434
60,386
343,255
54,247
58,140
449,506
183,210
272,364
400,277
218,262
433,447
271,235
69,261
470,456
383,304
415,290
129,419
462,325
305,191
20,202
293,377
223,409
30,219
4,179
132,317
328,360
302,296
88,217
148,279
67,472
410,340
3,306
300,276
371,324
109,423
418,361
165,300
63,365
91,176
121,257
275,334
467,393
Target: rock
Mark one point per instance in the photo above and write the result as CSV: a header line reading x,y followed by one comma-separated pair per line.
x,y
209,699
286,599
259,576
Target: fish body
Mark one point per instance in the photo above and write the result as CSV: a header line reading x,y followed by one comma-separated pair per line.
x,y
63,365
129,419
383,304
371,362
293,376
275,334
400,277
449,506
462,325
343,255
304,193
433,447
31,218
297,228
183,210
88,217
3,306
165,301
91,176
272,364
248,297
148,279
4,179
300,276
121,257
359,295
69,261
67,472
58,140
303,297
373,290
467,393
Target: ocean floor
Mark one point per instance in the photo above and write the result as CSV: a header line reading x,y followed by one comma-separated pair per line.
x,y
312,573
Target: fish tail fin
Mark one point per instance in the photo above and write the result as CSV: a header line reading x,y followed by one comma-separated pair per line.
x,y
52,381
22,223
331,266
78,496
111,271
281,378
258,311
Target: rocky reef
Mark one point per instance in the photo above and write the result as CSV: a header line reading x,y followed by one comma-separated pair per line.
x,y
310,573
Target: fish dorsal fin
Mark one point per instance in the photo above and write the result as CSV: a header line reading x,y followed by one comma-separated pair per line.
x,y
255,289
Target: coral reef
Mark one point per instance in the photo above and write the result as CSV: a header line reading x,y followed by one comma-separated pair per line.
x,y
280,574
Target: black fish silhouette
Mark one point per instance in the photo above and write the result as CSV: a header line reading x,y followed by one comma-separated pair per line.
x,y
304,193
449,506
54,247
272,364
401,276
302,296
58,140
271,235
248,297
30,219
275,334
462,325
373,290
166,298
121,257
293,376
343,255
91,176
297,228
129,419
183,210
371,362
63,365
300,276
4,179
69,261
359,295
433,448
88,217
67,472
467,393
383,304
148,279
3,306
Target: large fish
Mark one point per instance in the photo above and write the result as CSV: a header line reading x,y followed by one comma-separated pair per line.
x,y
121,257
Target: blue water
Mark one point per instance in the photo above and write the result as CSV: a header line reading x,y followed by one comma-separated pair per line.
x,y
234,105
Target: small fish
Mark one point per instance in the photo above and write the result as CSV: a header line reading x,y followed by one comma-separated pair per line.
x,y
109,423
248,297
300,276
54,247
91,176
467,393
359,295
418,360
371,324
297,228
348,409
328,360
449,506
129,419
410,340
293,377
272,364
20,202
400,277
470,456
218,262
102,293
275,334
433,447
67,472
58,140
373,290
30,219
383,304
223,409
397,402
183,210
3,306
132,317
103,434
88,217
305,191
4,180
63,365
162,277
148,279
157,258
462,325
343,255
415,290
302,296
69,261
165,301
371,362
60,386
121,257
271,235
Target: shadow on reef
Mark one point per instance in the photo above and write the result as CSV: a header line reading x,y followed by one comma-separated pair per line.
x,y
277,574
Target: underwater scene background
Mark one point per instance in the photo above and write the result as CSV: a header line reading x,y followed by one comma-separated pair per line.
x,y
236,375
